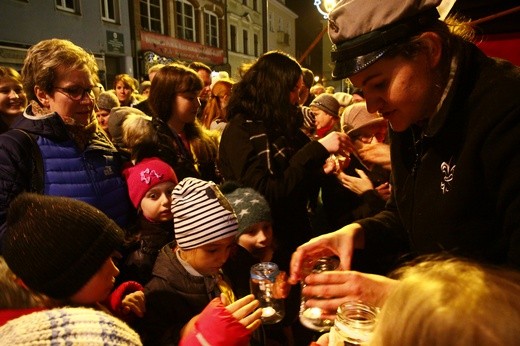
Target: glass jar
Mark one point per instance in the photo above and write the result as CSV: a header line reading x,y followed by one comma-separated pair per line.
x,y
262,283
313,317
354,324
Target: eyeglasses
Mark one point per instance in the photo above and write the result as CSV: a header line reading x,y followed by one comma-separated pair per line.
x,y
77,93
367,139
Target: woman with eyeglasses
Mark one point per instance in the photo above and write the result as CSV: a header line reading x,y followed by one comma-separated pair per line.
x,y
178,138
57,147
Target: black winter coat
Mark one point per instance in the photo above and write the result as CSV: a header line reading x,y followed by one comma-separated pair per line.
x,y
456,183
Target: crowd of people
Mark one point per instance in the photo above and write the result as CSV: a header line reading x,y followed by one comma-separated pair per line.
x,y
133,215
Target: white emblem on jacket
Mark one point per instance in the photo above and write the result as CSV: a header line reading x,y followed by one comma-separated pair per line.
x,y
448,176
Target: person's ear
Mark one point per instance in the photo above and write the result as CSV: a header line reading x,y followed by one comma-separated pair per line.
x,y
433,47
41,95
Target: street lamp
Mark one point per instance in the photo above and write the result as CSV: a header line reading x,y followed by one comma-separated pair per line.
x,y
325,6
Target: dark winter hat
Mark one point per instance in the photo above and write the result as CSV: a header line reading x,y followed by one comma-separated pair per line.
x,y
201,214
145,175
107,100
327,103
56,244
250,207
115,122
363,31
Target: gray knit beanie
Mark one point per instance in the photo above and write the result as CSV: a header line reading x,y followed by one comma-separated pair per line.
x,y
250,207
107,100
327,103
56,244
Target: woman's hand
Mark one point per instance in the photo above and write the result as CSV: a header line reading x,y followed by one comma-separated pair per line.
x,y
134,302
384,190
333,288
337,142
340,243
358,185
378,153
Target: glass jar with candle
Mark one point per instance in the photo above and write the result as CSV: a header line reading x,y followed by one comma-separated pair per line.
x,y
263,279
313,317
354,324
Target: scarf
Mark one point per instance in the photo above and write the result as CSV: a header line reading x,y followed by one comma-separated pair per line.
x,y
82,135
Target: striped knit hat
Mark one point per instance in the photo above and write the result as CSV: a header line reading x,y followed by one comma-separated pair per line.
x,y
68,326
201,214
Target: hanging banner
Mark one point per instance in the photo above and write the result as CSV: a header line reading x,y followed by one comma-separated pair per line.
x,y
181,49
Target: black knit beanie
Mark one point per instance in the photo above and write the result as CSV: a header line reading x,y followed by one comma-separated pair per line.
x,y
56,244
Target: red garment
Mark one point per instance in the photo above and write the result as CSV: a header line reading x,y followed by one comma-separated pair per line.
x,y
320,133
116,298
217,327
10,314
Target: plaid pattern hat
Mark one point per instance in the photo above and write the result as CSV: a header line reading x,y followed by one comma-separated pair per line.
x,y
250,207
56,244
363,31
68,326
201,214
145,175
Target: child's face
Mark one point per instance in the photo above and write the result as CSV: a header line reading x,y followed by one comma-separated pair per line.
x,y
99,286
257,239
209,258
157,201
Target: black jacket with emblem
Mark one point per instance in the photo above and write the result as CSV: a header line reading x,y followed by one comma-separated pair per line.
x,y
456,184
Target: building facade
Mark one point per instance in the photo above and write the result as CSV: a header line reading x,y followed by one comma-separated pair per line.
x,y
246,38
281,27
101,27
179,30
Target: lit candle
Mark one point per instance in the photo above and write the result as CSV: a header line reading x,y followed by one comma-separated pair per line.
x,y
312,313
268,312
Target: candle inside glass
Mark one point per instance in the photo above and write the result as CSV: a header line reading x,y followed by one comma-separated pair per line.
x,y
268,312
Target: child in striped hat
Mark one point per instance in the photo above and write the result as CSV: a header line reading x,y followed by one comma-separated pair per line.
x,y
187,273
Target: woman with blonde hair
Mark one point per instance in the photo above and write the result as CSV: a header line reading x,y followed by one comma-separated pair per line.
x,y
443,300
125,86
214,116
58,147
12,97
451,302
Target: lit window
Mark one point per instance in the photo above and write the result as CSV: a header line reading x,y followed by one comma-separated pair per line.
x,y
185,20
151,15
211,29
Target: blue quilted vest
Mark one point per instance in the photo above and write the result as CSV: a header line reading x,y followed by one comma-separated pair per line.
x,y
92,176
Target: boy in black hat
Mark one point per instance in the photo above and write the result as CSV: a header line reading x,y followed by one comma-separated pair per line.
x,y
65,249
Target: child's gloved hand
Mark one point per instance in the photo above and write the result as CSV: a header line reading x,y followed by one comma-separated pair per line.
x,y
134,302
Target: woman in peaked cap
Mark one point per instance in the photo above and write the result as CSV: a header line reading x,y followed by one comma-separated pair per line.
x,y
454,122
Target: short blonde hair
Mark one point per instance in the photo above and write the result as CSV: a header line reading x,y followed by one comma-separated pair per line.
x,y
451,302
8,72
136,128
46,59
